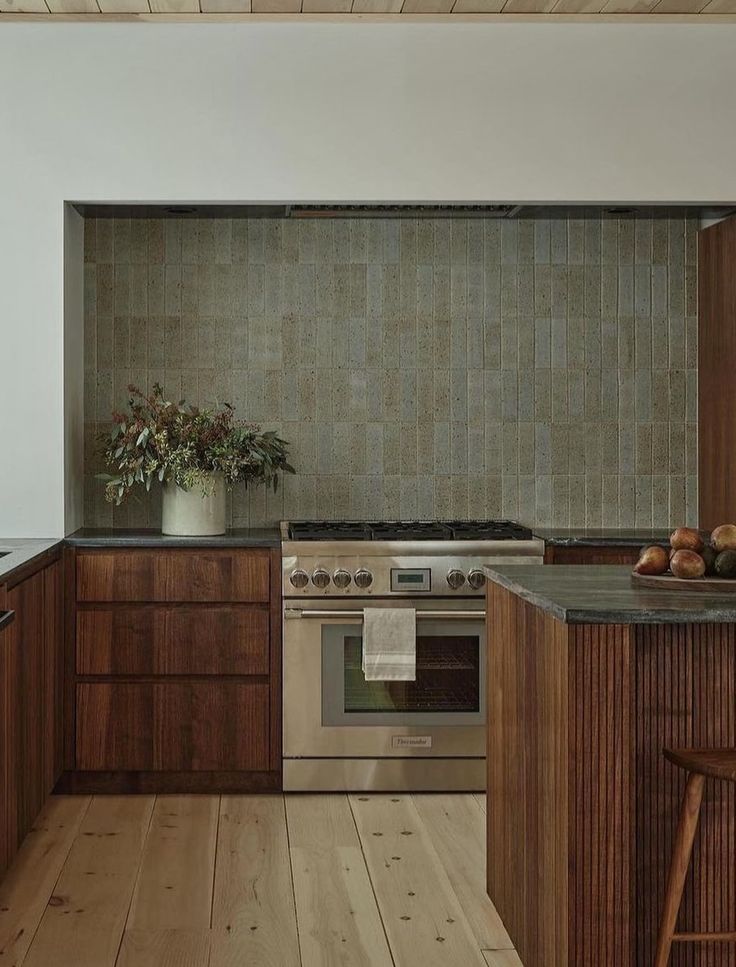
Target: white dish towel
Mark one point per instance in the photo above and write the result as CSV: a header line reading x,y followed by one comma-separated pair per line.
x,y
390,644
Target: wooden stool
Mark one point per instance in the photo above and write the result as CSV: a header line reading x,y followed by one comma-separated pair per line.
x,y
716,764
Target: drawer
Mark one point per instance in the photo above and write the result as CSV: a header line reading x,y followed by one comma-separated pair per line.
x,y
187,726
195,574
178,640
592,555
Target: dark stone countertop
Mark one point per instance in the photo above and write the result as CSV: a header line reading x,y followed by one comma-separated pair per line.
x,y
17,552
601,536
150,537
603,594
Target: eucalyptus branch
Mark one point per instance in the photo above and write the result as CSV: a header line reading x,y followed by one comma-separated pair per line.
x,y
159,441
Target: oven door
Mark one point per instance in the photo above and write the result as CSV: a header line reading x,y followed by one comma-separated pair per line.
x,y
331,711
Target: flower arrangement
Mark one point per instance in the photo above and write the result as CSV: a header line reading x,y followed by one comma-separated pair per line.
x,y
158,440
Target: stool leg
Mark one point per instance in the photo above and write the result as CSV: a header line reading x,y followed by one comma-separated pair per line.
x,y
686,827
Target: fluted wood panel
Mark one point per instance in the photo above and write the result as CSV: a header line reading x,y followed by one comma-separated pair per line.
x,y
600,817
685,688
582,806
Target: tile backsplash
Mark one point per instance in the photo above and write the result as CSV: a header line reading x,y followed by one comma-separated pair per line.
x,y
543,370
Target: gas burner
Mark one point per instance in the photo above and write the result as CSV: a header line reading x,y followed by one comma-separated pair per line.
x,y
488,530
417,530
328,530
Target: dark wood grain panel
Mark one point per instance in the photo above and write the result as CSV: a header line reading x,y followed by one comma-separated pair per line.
x,y
686,687
172,726
275,659
590,555
716,387
31,714
600,822
173,663
211,726
527,811
173,575
173,640
4,734
114,726
53,684
592,706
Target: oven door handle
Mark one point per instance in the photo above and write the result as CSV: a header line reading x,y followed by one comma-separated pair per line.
x,y
358,615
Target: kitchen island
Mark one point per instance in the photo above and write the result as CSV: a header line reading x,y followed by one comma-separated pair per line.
x,y
588,679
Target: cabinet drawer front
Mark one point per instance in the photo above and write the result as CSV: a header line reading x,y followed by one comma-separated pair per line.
x,y
196,574
594,555
194,726
230,640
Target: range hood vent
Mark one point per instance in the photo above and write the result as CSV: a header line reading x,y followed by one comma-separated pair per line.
x,y
402,211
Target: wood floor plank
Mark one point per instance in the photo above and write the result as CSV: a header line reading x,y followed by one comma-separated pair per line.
x,y
253,917
172,900
422,915
502,958
84,920
29,883
457,829
165,948
174,885
339,922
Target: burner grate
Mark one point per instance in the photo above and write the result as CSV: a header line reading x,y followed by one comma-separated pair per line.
x,y
417,530
422,530
489,530
326,530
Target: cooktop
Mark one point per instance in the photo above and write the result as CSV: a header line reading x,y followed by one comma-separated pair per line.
x,y
418,530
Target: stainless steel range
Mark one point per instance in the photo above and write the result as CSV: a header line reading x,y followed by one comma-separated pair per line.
x,y
342,732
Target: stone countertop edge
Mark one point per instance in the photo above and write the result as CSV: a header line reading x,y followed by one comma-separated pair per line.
x,y
601,537
132,537
635,605
18,551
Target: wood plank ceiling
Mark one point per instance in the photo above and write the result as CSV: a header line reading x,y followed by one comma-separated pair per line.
x,y
444,9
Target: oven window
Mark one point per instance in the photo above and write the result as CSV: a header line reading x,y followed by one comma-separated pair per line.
x,y
448,679
449,688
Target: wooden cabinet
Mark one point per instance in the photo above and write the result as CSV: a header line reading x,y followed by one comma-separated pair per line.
x,y
173,726
589,554
181,575
174,665
31,672
716,362
4,756
166,640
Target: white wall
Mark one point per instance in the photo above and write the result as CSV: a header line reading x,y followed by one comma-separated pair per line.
x,y
269,112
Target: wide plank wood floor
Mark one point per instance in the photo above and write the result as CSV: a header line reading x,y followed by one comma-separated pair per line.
x,y
389,880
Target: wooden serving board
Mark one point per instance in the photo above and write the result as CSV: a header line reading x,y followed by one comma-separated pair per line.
x,y
668,582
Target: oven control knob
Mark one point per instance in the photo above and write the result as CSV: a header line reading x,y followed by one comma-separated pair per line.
x,y
320,578
455,579
476,579
341,579
299,578
363,578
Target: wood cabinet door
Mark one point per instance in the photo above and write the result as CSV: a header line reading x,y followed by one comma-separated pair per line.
x,y
591,555
178,640
4,707
26,680
716,359
151,575
172,726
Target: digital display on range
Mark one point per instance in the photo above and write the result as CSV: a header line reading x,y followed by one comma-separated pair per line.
x,y
411,579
